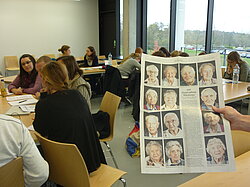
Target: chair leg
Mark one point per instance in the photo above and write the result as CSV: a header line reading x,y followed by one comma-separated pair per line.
x,y
110,151
123,182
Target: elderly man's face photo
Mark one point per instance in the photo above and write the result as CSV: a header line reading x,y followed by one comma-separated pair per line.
x,y
155,153
188,74
207,72
170,99
171,122
212,119
175,153
152,124
208,96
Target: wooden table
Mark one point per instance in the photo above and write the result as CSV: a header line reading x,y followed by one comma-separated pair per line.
x,y
91,71
236,92
239,178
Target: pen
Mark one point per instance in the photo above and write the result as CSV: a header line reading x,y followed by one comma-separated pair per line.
x,y
22,101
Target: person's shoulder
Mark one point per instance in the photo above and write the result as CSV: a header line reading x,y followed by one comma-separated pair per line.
x,y
7,122
6,118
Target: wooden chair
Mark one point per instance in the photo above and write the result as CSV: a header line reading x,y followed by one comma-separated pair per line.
x,y
11,174
11,64
101,57
67,167
50,55
241,141
114,63
109,104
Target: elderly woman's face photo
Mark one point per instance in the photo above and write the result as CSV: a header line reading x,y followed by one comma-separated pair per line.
x,y
208,96
207,72
170,73
216,150
152,124
212,119
170,99
151,74
151,98
188,74
171,122
175,153
155,153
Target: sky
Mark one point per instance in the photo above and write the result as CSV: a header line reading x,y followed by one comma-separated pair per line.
x,y
229,16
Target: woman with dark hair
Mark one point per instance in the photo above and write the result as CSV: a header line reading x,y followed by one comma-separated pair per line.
x,y
165,51
63,115
233,58
90,57
65,50
28,81
75,77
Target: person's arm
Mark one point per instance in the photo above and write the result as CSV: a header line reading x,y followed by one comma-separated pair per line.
x,y
36,169
36,88
14,87
137,64
41,116
244,71
85,90
237,120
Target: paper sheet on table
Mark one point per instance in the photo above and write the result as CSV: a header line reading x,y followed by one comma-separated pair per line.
x,y
16,111
28,108
19,97
23,102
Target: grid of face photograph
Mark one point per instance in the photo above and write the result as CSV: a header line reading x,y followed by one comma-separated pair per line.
x,y
163,134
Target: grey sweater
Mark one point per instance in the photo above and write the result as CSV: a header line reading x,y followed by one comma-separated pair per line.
x,y
78,83
128,67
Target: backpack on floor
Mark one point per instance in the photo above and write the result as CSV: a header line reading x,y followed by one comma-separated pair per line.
x,y
133,141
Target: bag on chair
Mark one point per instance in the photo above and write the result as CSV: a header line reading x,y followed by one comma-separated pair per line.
x,y
101,120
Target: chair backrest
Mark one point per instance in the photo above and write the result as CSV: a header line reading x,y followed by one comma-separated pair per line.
x,y
11,62
101,57
240,139
109,104
50,55
114,63
66,165
11,174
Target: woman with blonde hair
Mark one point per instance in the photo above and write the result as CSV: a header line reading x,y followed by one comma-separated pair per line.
x,y
233,58
130,64
65,50
63,115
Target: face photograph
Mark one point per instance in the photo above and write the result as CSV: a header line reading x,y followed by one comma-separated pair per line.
x,y
212,123
154,153
170,99
170,76
152,125
216,150
172,125
152,99
208,98
207,74
188,75
174,153
152,73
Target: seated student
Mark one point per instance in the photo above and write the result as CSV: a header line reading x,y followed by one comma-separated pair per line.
x,y
159,53
233,58
63,115
75,79
41,61
129,65
28,81
16,141
175,53
65,50
139,50
90,57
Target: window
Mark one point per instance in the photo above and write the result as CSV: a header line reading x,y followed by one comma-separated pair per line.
x,y
231,30
191,19
158,19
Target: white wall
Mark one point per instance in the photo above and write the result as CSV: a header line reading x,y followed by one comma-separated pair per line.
x,y
42,26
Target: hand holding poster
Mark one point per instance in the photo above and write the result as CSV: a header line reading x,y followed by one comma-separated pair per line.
x,y
180,133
